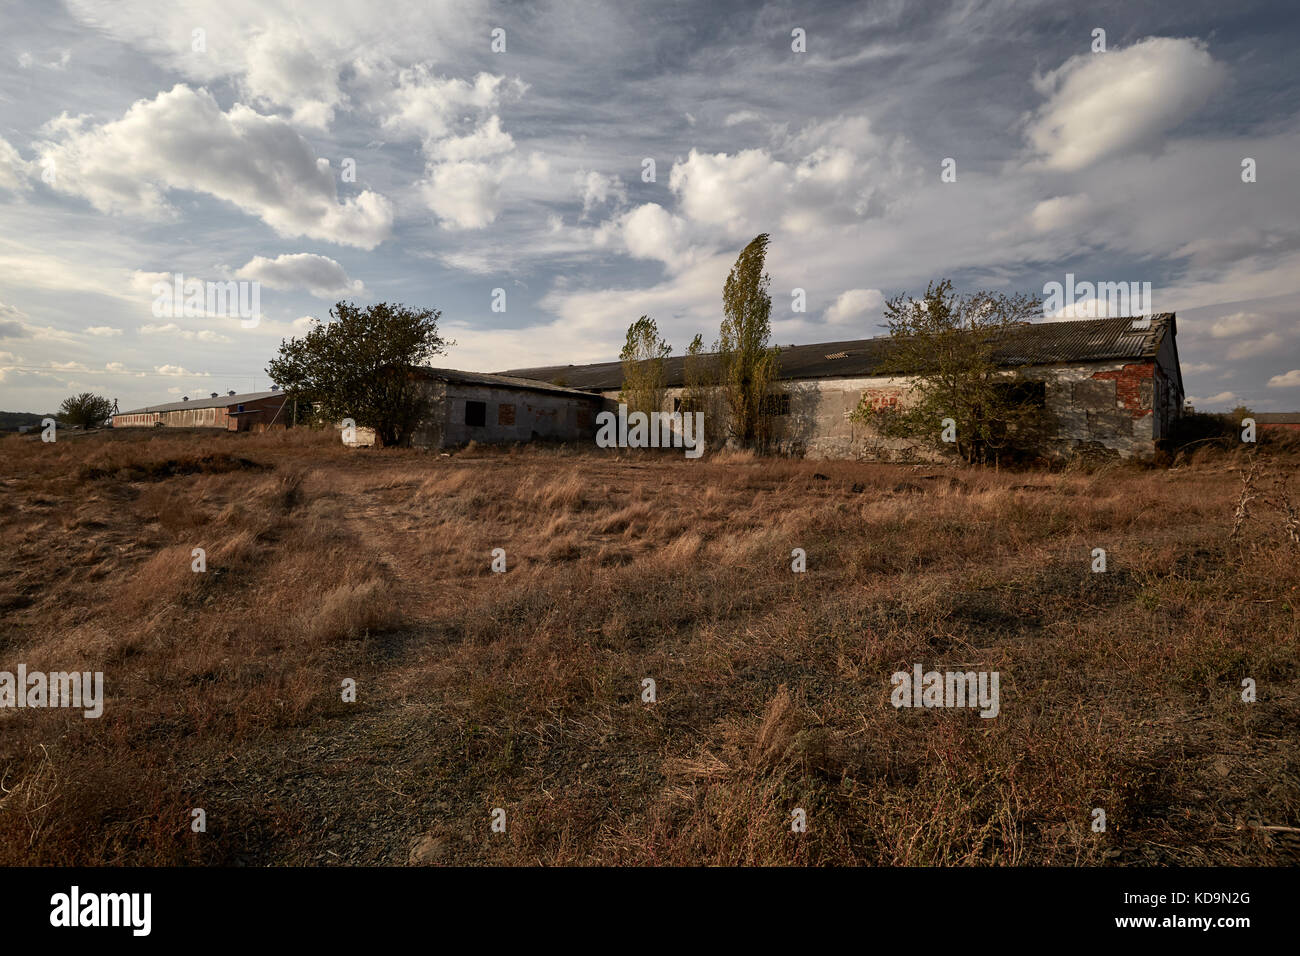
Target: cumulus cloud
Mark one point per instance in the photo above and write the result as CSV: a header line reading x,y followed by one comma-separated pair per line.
x,y
469,155
853,305
432,107
102,331
322,276
464,195
295,54
182,140
177,371
1289,379
598,189
1102,104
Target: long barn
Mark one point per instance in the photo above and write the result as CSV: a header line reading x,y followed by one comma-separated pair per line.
x,y
251,411
1111,385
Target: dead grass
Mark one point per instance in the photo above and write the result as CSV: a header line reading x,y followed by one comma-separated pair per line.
x,y
523,690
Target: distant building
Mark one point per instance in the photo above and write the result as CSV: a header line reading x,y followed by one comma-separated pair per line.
x,y
253,411
1111,384
491,409
1277,421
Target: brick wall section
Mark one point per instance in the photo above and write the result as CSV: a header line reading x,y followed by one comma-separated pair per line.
x,y
1133,386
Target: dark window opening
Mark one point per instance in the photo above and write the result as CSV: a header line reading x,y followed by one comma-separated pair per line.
x,y
1033,394
476,414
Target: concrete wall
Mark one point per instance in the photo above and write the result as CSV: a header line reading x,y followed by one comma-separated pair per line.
x,y
516,415
1107,407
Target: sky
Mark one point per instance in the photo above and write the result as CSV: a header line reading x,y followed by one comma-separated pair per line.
x,y
544,173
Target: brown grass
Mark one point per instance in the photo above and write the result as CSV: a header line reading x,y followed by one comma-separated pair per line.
x,y
523,690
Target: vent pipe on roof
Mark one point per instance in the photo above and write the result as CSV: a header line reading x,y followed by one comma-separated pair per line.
x,y
185,398
275,388
214,395
231,392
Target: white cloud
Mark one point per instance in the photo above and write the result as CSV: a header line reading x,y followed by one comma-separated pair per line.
x,y
192,335
431,106
1222,398
854,304
177,371
1238,324
102,331
322,276
283,69
464,195
13,169
1289,379
182,140
484,142
651,232
296,54
1059,212
1101,104
1253,348
598,189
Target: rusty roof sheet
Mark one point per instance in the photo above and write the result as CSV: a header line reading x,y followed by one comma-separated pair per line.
x,y
1037,343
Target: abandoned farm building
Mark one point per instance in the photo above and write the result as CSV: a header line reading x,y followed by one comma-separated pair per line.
x,y
254,411
1112,385
476,406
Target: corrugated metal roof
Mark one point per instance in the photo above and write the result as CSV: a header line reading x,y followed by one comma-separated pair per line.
x,y
1038,343
497,381
1277,418
221,401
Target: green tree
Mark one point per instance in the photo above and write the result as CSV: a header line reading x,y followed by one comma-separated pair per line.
x,y
644,376
747,365
87,410
699,376
359,366
945,344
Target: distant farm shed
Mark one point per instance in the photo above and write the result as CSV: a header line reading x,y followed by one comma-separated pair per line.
x,y
252,411
1278,421
494,409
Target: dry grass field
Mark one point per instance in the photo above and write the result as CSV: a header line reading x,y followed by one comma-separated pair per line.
x,y
477,690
